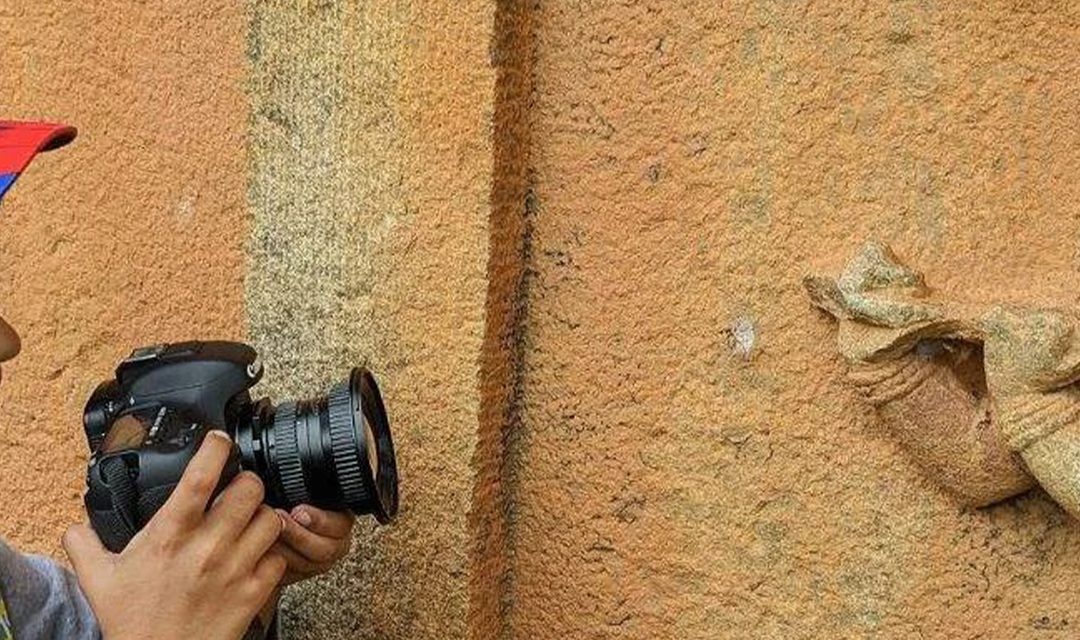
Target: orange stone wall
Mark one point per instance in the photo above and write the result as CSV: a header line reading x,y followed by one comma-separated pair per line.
x,y
570,237
691,463
133,234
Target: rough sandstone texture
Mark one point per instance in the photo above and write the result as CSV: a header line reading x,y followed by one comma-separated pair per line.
x,y
919,362
371,187
132,234
983,394
570,238
692,464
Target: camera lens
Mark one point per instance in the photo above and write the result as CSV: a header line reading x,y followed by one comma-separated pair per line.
x,y
334,451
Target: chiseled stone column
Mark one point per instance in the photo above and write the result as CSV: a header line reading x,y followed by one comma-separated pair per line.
x,y
372,154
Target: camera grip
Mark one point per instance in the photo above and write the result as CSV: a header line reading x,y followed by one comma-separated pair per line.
x,y
111,505
118,508
111,528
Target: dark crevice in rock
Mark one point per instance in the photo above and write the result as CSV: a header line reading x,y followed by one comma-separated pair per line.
x,y
502,368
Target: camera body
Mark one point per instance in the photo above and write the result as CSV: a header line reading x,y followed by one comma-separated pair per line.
x,y
332,451
144,426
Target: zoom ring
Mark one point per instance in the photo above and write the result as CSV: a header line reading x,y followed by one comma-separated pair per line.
x,y
288,456
346,448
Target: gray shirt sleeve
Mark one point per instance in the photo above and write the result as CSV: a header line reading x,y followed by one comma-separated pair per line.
x,y
43,599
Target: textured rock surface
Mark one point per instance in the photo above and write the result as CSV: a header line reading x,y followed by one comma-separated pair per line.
x,y
679,456
692,162
371,187
957,383
132,234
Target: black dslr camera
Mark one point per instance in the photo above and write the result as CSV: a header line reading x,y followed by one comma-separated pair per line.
x,y
334,451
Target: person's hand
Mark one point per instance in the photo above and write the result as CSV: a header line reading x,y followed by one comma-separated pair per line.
x,y
313,540
190,573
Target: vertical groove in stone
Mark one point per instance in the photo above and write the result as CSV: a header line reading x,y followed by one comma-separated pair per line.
x,y
501,374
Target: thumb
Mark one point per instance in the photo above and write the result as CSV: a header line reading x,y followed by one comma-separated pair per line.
x,y
88,555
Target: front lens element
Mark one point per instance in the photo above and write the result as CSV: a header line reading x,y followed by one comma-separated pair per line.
x,y
379,444
334,452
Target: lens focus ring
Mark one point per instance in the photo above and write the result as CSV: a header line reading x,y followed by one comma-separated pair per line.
x,y
344,435
288,456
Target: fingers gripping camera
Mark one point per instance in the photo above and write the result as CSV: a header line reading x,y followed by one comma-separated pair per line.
x,y
334,451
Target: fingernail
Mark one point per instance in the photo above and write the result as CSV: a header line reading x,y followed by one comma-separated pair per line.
x,y
284,515
217,433
302,516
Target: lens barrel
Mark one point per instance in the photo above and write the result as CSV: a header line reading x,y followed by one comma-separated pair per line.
x,y
334,451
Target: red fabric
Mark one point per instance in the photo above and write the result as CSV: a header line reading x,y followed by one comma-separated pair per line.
x,y
21,141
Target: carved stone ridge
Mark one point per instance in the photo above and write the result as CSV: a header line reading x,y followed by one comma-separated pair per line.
x,y
982,394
